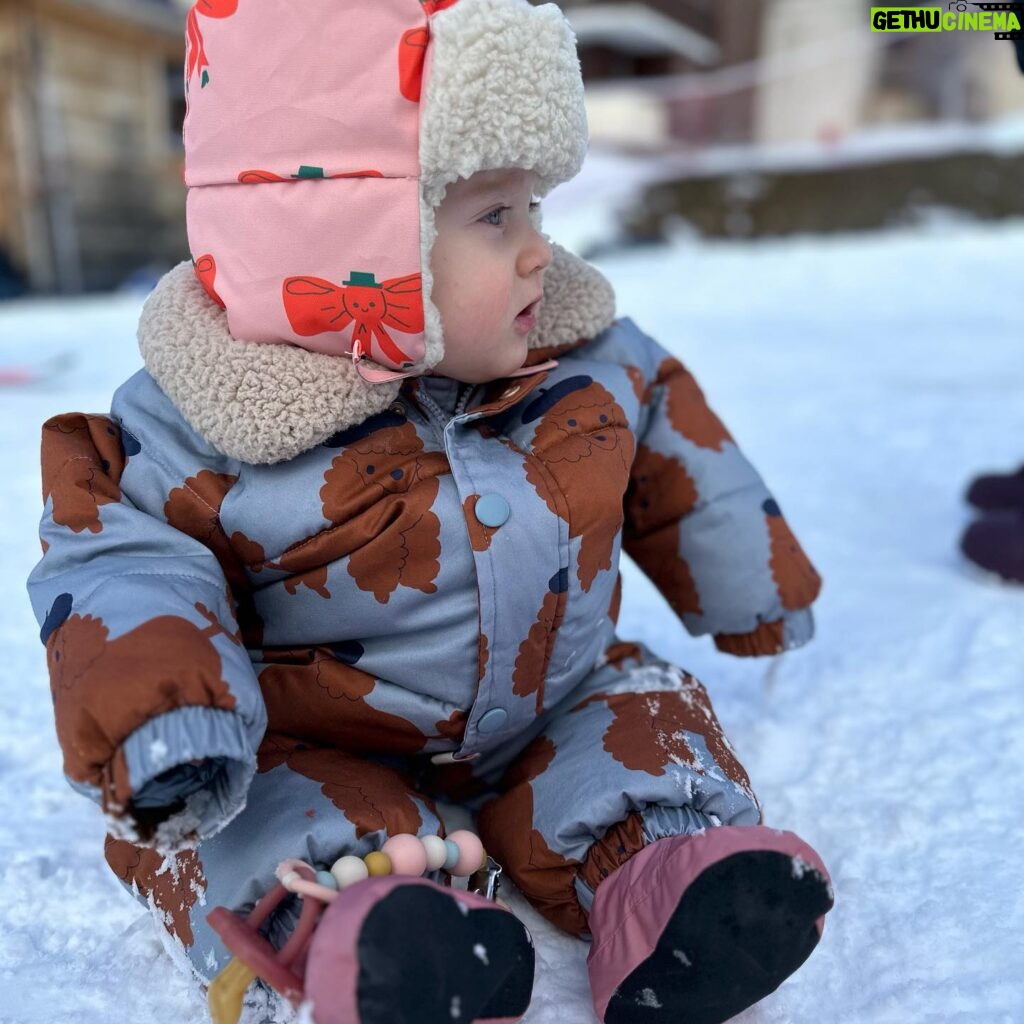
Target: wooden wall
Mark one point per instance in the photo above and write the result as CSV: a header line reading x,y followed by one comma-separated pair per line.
x,y
97,154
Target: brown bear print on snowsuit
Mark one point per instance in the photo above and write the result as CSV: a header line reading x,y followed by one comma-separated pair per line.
x,y
661,493
175,884
372,796
648,731
506,828
378,493
194,509
319,694
113,687
534,654
83,458
585,444
686,408
796,579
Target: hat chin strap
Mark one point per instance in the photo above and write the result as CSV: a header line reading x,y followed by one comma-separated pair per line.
x,y
372,373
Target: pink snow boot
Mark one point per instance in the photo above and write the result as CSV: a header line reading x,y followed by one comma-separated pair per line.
x,y
391,950
694,929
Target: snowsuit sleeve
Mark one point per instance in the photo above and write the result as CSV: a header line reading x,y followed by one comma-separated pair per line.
x,y
157,706
702,525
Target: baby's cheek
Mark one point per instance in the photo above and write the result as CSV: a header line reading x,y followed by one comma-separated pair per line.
x,y
486,306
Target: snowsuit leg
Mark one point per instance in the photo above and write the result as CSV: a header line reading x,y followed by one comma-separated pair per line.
x,y
635,754
315,804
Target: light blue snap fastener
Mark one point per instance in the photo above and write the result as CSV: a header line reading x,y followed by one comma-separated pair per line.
x,y
494,720
492,510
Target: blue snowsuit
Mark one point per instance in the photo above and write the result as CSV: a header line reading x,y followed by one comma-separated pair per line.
x,y
293,659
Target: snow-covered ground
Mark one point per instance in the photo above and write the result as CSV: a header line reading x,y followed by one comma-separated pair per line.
x,y
867,378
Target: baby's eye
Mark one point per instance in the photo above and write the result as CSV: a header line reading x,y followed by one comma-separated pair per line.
x,y
534,205
495,217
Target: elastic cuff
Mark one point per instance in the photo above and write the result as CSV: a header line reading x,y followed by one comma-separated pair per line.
x,y
212,793
768,638
629,837
794,629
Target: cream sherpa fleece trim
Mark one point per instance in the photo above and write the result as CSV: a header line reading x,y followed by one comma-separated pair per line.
x,y
263,404
578,302
504,89
256,403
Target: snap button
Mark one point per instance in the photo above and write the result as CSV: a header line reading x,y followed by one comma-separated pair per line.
x,y
397,408
492,510
494,720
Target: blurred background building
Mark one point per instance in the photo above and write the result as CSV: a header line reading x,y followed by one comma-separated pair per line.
x,y
741,117
91,104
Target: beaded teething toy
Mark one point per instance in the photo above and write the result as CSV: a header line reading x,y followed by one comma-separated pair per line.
x,y
462,854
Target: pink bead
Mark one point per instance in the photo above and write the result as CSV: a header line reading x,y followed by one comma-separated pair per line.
x,y
471,852
407,854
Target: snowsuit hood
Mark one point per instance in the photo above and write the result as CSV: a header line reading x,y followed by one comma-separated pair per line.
x,y
314,172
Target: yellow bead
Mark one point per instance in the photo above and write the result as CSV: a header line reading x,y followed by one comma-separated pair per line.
x,y
483,860
377,864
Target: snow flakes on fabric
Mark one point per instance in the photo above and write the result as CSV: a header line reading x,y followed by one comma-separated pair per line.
x,y
174,885
650,731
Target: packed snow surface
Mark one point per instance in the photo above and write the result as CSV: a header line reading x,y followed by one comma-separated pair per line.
x,y
867,377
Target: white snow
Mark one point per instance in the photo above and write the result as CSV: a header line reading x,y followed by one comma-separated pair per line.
x,y
648,998
868,378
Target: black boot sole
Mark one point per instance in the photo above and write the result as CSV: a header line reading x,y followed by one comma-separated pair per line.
x,y
743,926
426,959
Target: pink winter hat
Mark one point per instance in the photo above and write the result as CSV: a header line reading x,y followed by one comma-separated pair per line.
x,y
320,136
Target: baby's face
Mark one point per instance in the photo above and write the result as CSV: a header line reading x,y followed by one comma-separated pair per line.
x,y
488,264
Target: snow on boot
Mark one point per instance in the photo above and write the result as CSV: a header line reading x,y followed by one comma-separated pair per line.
x,y
997,491
694,929
996,544
389,950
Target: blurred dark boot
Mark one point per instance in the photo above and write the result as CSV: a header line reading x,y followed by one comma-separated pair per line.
x,y
997,490
996,543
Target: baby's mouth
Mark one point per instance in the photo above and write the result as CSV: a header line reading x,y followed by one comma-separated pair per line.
x,y
526,319
528,312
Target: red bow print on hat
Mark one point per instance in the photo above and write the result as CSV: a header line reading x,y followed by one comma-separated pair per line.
x,y
316,306
197,61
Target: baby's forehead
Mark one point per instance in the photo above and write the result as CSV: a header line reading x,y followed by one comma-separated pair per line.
x,y
483,183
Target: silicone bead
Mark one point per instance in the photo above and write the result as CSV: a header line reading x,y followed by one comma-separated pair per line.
x,y
471,853
406,853
436,851
452,854
349,870
377,864
326,879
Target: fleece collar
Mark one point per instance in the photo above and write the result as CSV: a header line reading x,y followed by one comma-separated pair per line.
x,y
264,404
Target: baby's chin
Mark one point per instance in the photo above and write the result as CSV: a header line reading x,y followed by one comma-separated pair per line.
x,y
492,366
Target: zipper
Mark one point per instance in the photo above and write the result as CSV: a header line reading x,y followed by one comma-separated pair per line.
x,y
436,414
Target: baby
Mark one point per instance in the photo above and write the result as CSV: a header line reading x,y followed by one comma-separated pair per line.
x,y
350,543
